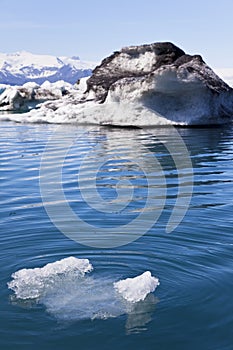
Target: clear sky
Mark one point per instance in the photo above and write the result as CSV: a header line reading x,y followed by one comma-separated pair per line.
x,y
93,29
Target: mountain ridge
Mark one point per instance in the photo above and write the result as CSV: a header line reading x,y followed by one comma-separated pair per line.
x,y
21,67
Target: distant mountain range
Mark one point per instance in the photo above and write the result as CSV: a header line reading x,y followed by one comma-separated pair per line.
x,y
22,67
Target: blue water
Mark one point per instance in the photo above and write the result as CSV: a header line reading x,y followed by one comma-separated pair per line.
x,y
192,307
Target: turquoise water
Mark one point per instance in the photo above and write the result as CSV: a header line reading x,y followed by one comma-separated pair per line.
x,y
192,307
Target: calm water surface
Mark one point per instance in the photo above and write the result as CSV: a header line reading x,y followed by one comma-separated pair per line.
x,y
193,306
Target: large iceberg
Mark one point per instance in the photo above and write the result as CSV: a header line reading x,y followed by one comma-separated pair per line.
x,y
153,84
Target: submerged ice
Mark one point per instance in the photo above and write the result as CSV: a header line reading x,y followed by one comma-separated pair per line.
x,y
69,292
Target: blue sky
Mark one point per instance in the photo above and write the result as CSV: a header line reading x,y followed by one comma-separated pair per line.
x,y
95,28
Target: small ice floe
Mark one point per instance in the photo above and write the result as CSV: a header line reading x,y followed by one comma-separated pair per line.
x,y
70,294
33,283
137,288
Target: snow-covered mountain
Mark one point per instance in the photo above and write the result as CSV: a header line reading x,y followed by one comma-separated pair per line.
x,y
21,67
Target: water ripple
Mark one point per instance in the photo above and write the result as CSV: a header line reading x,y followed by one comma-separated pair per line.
x,y
194,263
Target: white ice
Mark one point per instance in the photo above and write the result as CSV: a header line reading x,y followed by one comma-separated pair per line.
x,y
167,99
137,288
69,293
19,97
34,283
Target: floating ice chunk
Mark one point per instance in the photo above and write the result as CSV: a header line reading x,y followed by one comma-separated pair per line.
x,y
137,288
68,294
34,283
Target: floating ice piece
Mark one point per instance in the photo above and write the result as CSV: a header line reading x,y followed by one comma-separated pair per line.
x,y
68,294
137,288
33,283
29,95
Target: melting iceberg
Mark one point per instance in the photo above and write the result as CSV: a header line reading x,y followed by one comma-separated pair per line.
x,y
69,293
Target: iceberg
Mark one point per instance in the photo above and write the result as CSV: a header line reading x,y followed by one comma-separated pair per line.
x,y
29,95
146,85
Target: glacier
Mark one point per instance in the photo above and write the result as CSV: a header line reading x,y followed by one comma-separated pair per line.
x,y
145,85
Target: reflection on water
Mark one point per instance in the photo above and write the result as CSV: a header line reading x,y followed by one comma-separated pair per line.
x,y
140,314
